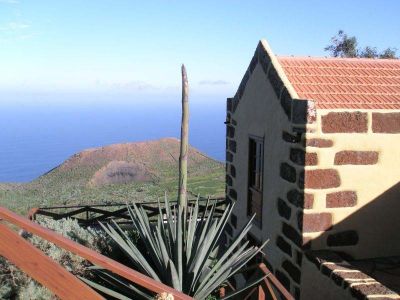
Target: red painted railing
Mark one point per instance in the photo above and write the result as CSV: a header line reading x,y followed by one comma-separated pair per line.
x,y
268,288
31,264
66,286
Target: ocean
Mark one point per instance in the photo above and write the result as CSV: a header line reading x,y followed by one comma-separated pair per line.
x,y
39,132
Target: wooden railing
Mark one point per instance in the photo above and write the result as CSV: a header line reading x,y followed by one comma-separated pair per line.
x,y
53,276
87,215
269,288
66,286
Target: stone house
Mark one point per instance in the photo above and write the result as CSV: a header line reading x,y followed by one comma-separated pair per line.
x,y
313,151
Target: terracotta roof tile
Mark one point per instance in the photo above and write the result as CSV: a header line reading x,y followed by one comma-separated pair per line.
x,y
345,82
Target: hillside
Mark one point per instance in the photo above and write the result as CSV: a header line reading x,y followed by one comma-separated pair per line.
x,y
141,171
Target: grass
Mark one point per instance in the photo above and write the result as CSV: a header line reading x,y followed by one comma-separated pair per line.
x,y
70,186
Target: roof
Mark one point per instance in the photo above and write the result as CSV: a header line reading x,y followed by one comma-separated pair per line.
x,y
345,82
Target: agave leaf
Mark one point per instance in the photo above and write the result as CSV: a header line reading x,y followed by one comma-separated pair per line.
x,y
132,252
144,220
205,210
218,231
103,289
203,249
145,217
169,216
183,247
146,236
201,223
179,245
217,272
221,279
243,256
120,241
128,287
115,283
191,230
203,261
202,294
173,221
175,281
248,285
258,249
183,221
222,223
198,245
162,246
164,231
164,236
237,241
232,248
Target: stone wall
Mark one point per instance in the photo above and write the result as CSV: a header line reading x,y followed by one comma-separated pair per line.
x,y
354,182
264,107
330,177
328,276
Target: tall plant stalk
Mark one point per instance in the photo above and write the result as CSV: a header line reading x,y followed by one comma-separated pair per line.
x,y
184,146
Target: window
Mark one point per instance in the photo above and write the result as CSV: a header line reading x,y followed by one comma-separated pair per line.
x,y
255,178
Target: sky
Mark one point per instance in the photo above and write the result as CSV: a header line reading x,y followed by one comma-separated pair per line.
x,y
134,48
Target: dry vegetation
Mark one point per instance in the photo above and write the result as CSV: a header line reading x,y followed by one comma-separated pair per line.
x,y
117,173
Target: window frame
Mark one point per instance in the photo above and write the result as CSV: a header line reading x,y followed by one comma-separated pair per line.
x,y
256,188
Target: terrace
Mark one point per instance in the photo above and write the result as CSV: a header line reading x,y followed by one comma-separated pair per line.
x,y
66,286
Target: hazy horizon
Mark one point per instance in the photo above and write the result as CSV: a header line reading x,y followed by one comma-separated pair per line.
x,y
78,74
38,137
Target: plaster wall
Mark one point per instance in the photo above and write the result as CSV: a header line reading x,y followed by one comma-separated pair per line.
x,y
259,113
375,215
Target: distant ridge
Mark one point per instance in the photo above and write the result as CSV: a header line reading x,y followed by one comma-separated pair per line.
x,y
138,171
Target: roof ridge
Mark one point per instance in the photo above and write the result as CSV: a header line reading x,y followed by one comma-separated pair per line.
x,y
352,93
346,68
339,58
346,76
346,84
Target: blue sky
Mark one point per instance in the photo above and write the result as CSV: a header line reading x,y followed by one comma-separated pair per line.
x,y
136,47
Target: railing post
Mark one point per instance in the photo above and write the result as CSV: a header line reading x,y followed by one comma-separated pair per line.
x,y
32,213
261,293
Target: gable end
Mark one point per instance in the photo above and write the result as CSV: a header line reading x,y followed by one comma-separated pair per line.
x,y
275,74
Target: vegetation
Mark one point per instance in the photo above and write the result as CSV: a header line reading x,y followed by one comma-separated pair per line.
x,y
343,45
70,183
182,250
14,284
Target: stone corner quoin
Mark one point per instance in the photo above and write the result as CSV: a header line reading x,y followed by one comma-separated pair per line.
x,y
345,122
386,122
319,179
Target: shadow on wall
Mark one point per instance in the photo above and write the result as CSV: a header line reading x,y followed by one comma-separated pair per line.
x,y
371,231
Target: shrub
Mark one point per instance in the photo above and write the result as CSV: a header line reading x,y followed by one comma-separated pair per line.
x,y
14,284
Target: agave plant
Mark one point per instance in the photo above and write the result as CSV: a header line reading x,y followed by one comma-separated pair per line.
x,y
181,250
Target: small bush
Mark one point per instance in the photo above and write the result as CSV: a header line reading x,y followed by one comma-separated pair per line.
x,y
14,284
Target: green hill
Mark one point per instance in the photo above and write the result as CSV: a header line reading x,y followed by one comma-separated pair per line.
x,y
141,171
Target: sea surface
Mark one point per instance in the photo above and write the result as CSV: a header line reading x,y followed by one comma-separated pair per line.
x,y
39,133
